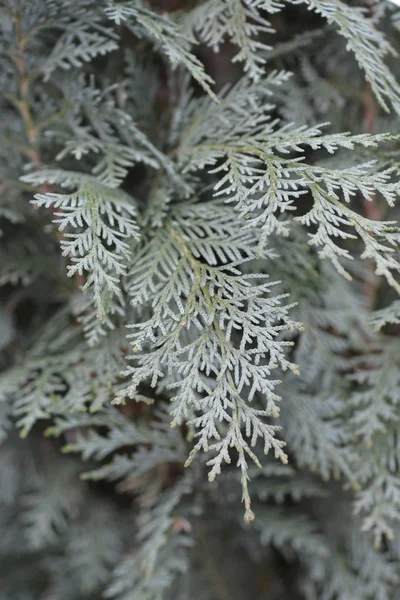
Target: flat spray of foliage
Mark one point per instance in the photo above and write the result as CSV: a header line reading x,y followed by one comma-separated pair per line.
x,y
199,279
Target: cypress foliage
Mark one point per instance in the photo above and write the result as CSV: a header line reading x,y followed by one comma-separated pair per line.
x,y
199,313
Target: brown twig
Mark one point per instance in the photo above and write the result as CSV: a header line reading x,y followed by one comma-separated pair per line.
x,y
22,103
372,210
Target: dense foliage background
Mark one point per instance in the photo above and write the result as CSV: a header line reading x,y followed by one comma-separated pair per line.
x,y
199,228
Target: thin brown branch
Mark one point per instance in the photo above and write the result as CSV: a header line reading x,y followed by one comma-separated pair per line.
x,y
22,103
372,210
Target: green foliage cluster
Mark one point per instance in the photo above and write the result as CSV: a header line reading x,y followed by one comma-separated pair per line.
x,y
199,280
